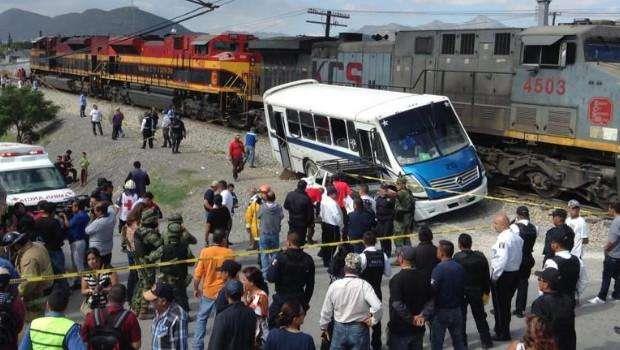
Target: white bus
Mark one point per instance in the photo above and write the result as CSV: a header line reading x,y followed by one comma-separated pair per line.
x,y
419,136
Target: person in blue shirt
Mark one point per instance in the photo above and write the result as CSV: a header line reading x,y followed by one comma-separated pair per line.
x,y
76,227
82,105
54,330
250,144
361,221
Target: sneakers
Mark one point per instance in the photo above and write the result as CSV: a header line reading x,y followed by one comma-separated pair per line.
x,y
596,300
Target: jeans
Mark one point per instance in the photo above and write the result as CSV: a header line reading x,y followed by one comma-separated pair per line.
x,y
267,241
98,126
78,250
452,321
611,269
249,155
57,258
406,341
350,336
204,310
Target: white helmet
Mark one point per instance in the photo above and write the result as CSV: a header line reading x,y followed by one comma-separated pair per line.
x,y
130,185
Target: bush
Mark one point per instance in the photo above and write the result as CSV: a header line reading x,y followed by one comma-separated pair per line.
x,y
24,109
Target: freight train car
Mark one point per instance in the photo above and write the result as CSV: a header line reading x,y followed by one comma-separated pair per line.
x,y
204,76
538,102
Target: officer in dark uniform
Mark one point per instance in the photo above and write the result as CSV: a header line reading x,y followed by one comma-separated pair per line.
x,y
292,271
559,227
477,287
528,234
384,206
555,308
374,265
177,132
571,269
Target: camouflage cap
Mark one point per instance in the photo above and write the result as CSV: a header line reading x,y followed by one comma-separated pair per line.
x,y
176,217
149,217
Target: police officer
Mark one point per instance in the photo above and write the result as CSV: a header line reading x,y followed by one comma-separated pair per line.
x,y
528,234
572,272
403,212
505,263
477,287
148,130
374,265
177,132
292,271
148,249
176,241
384,207
555,308
30,259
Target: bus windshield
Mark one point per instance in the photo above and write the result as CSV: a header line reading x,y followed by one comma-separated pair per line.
x,y
602,50
424,133
31,180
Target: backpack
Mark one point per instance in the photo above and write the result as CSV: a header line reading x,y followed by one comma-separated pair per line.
x,y
107,333
8,323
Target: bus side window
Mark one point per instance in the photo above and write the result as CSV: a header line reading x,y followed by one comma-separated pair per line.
x,y
352,136
307,126
323,134
339,132
292,119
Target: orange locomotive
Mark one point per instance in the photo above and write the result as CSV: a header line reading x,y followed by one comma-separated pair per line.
x,y
203,76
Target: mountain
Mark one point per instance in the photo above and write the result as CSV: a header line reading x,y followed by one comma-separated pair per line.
x,y
25,25
478,22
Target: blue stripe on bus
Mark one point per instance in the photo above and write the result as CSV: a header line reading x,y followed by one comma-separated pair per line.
x,y
300,142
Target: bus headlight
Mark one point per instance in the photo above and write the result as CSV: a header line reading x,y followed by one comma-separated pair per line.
x,y
414,186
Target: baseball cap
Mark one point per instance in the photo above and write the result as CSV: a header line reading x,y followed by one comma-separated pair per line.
x,y
352,261
230,266
573,203
407,252
160,290
550,275
233,288
559,212
523,211
557,235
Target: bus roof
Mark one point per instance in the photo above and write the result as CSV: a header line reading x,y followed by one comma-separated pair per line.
x,y
349,103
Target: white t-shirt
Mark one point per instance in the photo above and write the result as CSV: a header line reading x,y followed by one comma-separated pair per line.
x,y
580,227
227,200
95,115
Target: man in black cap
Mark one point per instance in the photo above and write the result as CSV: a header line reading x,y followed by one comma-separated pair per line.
x,y
477,287
169,328
572,272
555,308
410,292
228,271
527,232
560,227
234,327
300,210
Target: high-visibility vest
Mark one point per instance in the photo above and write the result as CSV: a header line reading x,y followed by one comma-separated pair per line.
x,y
49,332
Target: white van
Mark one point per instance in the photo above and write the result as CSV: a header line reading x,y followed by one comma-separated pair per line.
x,y
28,176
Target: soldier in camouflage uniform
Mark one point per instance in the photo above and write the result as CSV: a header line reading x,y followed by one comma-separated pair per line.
x,y
403,212
148,249
176,248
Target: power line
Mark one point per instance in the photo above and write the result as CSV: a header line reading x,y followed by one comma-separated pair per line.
x,y
328,18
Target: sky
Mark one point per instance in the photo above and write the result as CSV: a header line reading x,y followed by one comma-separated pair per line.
x,y
289,17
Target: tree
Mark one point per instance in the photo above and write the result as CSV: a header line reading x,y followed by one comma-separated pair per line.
x,y
24,109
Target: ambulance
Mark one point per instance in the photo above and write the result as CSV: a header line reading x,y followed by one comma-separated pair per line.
x,y
28,176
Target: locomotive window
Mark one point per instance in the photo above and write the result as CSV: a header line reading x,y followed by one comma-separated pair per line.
x,y
292,119
200,49
307,126
424,45
178,43
352,136
531,54
447,44
547,55
322,129
468,42
339,132
571,53
224,46
502,44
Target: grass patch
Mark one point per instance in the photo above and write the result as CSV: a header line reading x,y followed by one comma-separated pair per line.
x,y
172,193
8,137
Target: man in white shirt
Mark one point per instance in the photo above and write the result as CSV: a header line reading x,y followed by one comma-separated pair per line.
x,y
353,305
506,256
165,127
95,119
579,226
227,197
331,223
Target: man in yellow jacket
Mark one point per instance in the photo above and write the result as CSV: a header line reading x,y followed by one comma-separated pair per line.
x,y
252,223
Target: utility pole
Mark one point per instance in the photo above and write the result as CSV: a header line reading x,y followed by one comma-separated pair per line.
x,y
543,12
554,14
328,19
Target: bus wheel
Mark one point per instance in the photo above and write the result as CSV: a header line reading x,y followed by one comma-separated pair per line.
x,y
310,168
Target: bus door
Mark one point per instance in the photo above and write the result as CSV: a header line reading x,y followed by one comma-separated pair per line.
x,y
364,133
278,117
